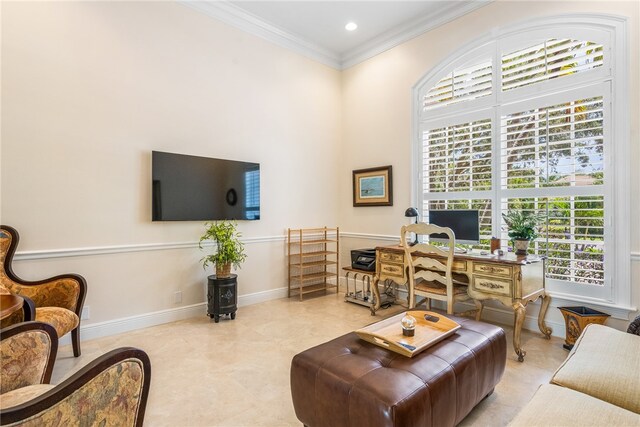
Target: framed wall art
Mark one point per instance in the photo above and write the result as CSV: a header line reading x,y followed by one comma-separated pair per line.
x,y
373,187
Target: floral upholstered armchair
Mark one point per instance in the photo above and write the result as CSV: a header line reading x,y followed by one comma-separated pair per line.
x,y
57,300
112,390
27,354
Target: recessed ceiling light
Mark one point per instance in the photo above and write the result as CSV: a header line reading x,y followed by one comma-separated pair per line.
x,y
351,26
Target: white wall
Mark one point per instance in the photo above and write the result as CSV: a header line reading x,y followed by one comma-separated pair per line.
x,y
377,113
89,89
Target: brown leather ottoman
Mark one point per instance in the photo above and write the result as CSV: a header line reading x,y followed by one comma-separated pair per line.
x,y
350,382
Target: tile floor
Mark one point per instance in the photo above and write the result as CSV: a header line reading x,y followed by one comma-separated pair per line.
x,y
236,372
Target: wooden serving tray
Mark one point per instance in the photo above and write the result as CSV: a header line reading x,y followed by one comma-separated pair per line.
x,y
430,328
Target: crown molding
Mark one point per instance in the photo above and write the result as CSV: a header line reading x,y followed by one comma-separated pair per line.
x,y
409,30
229,13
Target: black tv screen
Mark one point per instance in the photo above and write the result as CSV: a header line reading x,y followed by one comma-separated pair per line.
x,y
191,188
465,225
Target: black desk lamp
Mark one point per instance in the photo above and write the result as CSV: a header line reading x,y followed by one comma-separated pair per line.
x,y
412,213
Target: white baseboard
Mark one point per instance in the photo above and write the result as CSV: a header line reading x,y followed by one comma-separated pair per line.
x,y
262,296
128,324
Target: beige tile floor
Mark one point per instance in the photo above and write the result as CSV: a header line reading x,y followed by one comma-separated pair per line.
x,y
236,372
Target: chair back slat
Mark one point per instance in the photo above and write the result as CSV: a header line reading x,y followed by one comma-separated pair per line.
x,y
429,263
431,276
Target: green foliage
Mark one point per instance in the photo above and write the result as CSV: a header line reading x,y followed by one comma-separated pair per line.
x,y
522,224
229,249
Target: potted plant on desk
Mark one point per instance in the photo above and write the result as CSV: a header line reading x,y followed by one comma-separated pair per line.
x,y
522,228
229,248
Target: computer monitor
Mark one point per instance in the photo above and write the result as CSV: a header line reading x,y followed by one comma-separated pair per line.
x,y
464,223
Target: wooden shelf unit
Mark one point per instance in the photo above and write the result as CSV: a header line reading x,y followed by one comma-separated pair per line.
x,y
313,260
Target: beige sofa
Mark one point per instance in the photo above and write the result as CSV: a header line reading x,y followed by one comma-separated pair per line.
x,y
597,385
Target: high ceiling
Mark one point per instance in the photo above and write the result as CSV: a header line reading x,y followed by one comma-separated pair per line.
x,y
318,27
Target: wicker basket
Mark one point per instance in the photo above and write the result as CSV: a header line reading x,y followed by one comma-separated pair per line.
x,y
223,270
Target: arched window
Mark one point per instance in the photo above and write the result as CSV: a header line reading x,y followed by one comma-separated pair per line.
x,y
533,118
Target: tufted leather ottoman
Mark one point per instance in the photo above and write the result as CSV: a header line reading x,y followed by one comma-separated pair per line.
x,y
350,382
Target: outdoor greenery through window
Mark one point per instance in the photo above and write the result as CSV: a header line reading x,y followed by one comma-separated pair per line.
x,y
458,158
461,85
549,60
534,146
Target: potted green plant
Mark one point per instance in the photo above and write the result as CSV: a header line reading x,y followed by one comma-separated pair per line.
x,y
523,227
229,248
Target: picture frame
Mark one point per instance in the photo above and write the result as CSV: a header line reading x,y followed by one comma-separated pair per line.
x,y
373,187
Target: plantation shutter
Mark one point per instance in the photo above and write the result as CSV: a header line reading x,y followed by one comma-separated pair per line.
x,y
555,146
527,122
549,60
460,85
458,157
561,146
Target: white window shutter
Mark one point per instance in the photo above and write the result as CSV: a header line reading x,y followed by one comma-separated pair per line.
x,y
463,84
549,60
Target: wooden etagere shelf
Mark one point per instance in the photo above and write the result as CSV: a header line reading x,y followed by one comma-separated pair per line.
x,y
313,260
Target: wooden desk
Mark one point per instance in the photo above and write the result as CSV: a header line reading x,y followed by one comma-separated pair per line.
x,y
514,281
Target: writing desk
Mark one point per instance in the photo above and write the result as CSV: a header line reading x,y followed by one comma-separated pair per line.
x,y
513,280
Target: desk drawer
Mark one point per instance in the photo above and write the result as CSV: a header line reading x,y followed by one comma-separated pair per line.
x,y
491,285
459,265
492,269
391,256
392,270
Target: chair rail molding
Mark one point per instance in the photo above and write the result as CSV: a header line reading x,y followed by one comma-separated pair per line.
x,y
116,249
146,247
383,237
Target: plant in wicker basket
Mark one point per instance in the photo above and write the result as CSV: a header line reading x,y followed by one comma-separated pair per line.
x,y
229,248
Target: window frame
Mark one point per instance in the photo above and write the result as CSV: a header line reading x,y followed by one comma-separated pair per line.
x,y
607,30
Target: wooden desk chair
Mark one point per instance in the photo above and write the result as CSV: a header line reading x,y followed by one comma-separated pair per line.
x,y
430,277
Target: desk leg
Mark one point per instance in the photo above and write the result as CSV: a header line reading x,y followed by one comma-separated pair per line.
x,y
376,293
479,307
520,312
544,305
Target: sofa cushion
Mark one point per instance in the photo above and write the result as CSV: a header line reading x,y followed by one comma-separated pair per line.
x,y
604,363
558,406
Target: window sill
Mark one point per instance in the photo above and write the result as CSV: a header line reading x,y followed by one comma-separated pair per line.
x,y
616,311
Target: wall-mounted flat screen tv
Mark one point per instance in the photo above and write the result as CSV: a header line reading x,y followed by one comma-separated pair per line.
x,y
192,188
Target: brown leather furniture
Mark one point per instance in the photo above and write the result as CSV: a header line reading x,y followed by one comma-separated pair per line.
x,y
350,382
